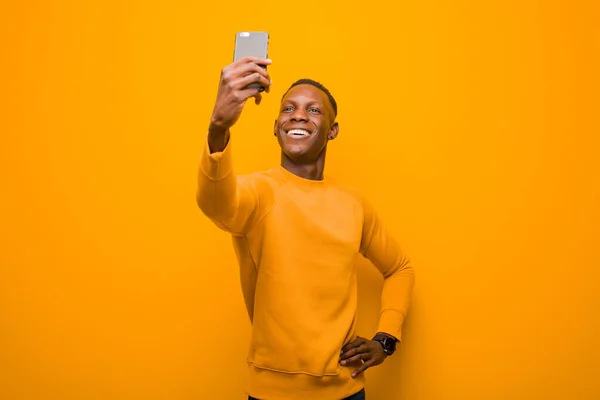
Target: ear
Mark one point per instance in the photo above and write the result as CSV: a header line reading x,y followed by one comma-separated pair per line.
x,y
333,131
275,128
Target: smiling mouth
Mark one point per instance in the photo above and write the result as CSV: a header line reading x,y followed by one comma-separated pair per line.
x,y
298,133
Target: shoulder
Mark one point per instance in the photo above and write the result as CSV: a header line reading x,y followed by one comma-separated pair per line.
x,y
262,184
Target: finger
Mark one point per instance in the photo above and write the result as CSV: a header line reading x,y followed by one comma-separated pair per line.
x,y
355,359
252,60
236,71
242,95
355,363
355,343
247,69
348,347
354,351
231,74
250,79
258,99
362,368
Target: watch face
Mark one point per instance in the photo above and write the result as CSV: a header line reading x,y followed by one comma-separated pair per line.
x,y
389,344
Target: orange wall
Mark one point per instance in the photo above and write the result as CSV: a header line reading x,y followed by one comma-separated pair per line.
x,y
473,126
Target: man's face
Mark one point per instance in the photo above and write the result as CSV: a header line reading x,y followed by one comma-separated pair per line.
x,y
304,124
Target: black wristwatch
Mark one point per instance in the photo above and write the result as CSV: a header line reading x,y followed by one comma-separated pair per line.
x,y
387,341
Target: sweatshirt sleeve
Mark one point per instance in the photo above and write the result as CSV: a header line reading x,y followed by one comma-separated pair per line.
x,y
381,248
229,200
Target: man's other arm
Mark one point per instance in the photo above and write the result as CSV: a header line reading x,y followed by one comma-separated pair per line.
x,y
382,249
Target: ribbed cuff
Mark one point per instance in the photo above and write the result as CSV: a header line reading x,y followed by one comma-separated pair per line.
x,y
217,165
391,322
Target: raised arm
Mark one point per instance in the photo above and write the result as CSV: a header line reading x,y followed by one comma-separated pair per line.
x,y
229,201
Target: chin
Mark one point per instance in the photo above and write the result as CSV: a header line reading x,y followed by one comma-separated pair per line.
x,y
295,153
298,151
301,155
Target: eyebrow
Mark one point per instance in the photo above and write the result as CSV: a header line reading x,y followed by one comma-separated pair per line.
x,y
309,103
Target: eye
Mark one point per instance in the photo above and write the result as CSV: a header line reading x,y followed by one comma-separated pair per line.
x,y
314,110
287,109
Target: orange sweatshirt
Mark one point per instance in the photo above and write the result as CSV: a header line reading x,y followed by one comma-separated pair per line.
x,y
296,241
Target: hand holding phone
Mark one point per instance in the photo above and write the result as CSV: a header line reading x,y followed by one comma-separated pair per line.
x,y
244,78
240,80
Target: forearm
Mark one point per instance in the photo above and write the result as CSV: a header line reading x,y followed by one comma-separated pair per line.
x,y
217,184
217,138
395,299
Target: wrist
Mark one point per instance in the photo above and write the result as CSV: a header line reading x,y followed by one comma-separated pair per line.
x,y
217,127
387,341
218,137
380,335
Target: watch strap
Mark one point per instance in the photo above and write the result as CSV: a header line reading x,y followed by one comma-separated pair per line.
x,y
384,339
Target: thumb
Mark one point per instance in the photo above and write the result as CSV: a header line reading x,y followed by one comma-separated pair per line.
x,y
258,99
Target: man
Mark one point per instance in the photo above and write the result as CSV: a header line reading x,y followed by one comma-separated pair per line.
x,y
296,234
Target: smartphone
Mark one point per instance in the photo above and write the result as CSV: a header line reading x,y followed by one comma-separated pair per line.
x,y
254,44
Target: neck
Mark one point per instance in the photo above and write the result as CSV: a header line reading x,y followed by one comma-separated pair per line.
x,y
312,170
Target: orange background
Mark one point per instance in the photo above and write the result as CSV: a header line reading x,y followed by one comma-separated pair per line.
x,y
472,125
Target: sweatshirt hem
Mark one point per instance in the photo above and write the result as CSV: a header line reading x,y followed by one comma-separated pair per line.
x,y
266,384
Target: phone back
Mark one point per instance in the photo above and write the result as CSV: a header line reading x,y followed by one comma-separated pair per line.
x,y
254,44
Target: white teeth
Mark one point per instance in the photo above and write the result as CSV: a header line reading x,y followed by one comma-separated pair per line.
x,y
298,132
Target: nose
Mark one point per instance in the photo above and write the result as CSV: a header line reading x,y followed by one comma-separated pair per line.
x,y
299,115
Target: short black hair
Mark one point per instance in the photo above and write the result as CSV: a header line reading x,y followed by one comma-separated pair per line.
x,y
318,85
